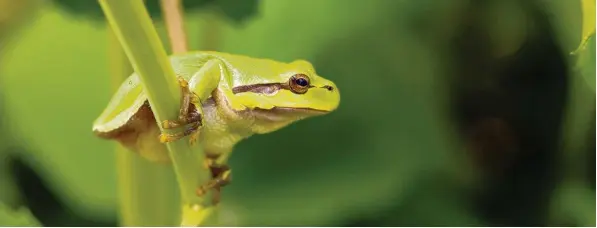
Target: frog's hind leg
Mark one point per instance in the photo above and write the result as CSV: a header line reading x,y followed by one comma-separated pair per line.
x,y
188,116
138,134
139,121
221,176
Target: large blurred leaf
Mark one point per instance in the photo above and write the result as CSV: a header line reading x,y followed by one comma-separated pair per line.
x,y
388,131
588,19
235,10
20,217
9,193
14,13
586,50
574,203
586,60
507,24
53,114
574,23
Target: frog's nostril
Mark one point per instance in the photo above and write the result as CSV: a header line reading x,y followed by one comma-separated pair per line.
x,y
329,88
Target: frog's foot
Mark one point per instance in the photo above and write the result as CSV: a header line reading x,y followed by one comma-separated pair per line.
x,y
221,177
188,117
192,130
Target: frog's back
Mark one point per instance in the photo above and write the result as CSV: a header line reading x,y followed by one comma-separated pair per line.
x,y
186,64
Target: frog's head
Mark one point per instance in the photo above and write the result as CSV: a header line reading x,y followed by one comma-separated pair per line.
x,y
287,93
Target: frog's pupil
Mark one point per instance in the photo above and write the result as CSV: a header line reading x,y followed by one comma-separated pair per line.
x,y
302,82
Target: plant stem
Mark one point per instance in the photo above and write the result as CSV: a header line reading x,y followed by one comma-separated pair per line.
x,y
140,205
212,31
173,15
133,27
148,194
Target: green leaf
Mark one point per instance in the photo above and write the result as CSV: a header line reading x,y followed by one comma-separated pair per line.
x,y
585,62
354,160
9,192
74,163
237,11
574,25
586,49
574,203
19,217
588,19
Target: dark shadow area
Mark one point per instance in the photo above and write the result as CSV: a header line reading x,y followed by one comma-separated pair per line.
x,y
513,126
43,203
509,111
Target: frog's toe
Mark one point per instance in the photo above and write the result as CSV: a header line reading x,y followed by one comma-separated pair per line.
x,y
169,124
191,130
166,138
183,82
194,137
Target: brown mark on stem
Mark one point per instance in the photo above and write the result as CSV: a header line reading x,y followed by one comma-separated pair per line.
x,y
173,15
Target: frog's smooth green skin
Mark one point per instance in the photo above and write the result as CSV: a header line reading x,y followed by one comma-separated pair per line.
x,y
238,96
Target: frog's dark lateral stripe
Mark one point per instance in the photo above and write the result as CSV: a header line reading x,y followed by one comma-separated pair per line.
x,y
266,88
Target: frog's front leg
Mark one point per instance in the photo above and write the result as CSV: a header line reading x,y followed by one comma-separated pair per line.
x,y
197,89
186,116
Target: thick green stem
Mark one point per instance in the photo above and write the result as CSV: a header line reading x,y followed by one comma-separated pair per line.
x,y
148,193
135,31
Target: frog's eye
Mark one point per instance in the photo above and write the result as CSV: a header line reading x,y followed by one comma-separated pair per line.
x,y
299,83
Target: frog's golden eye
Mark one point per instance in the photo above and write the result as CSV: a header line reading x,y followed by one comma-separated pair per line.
x,y
299,83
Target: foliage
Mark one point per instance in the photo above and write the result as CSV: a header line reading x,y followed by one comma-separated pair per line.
x,y
234,10
20,217
392,154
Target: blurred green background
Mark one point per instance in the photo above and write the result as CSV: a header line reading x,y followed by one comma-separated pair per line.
x,y
453,113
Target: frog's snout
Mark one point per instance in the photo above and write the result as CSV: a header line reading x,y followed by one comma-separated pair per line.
x,y
328,87
333,95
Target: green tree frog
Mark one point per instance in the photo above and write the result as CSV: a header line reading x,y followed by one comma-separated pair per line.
x,y
225,99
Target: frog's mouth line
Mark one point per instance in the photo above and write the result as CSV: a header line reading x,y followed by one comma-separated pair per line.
x,y
290,110
285,113
273,114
